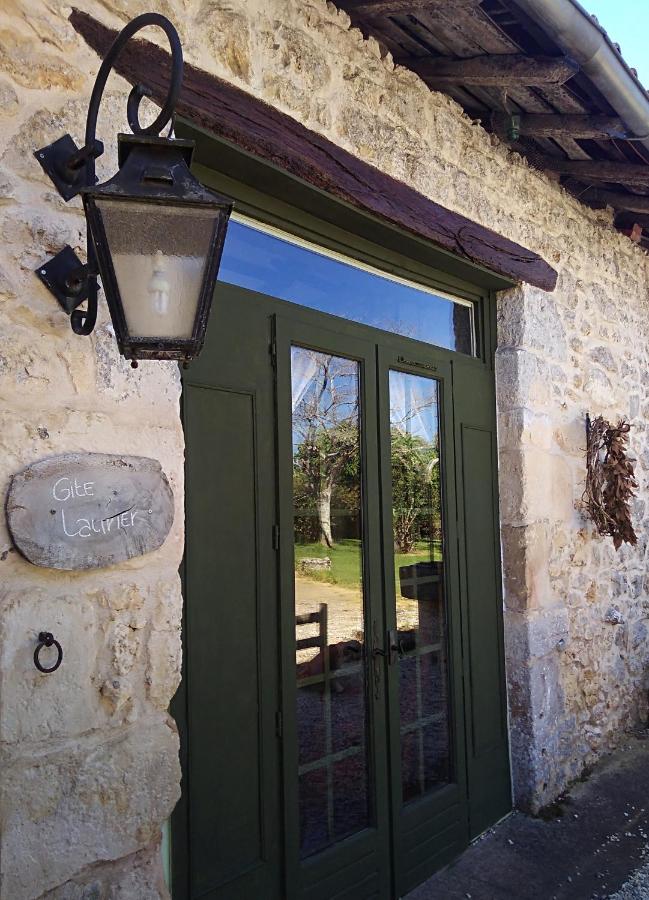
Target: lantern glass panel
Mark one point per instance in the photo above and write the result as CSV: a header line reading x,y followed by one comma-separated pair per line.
x,y
159,255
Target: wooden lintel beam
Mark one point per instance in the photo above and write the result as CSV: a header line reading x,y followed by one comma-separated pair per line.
x,y
394,7
268,135
576,126
506,70
617,199
634,233
598,170
632,227
627,220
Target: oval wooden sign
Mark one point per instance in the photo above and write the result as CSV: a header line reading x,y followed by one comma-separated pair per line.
x,y
89,510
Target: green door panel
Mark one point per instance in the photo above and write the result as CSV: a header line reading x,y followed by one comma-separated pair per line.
x,y
487,748
226,745
231,780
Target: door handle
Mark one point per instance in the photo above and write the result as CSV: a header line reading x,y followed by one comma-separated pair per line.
x,y
394,647
394,651
392,654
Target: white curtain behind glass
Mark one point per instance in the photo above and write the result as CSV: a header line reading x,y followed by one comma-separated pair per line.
x,y
413,405
304,365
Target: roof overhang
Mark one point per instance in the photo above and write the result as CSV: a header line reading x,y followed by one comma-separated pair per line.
x,y
240,120
544,76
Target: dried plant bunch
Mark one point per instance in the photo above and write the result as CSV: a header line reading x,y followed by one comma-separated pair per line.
x,y
610,480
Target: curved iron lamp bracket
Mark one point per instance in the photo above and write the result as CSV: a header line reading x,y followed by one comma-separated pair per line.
x,y
72,169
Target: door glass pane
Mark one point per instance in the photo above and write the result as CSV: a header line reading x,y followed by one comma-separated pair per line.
x,y
329,600
306,274
419,583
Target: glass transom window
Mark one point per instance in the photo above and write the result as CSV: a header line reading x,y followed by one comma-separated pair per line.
x,y
267,261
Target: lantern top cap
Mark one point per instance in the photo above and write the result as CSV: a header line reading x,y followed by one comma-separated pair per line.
x,y
156,170
127,142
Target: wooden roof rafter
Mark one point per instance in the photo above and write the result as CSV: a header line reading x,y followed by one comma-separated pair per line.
x,y
563,124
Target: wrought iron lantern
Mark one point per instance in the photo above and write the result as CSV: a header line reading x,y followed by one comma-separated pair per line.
x,y
155,233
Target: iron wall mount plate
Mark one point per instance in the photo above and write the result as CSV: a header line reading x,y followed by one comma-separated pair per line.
x,y
55,162
56,276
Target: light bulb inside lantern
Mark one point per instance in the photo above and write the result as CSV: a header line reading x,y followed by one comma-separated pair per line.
x,y
159,286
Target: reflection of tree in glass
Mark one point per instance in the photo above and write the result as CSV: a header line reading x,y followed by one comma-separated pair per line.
x,y
325,439
415,490
415,457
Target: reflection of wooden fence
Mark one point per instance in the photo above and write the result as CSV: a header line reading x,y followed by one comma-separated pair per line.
x,y
319,640
421,581
332,662
324,717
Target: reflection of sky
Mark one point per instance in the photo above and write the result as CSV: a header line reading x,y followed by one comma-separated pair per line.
x,y
324,392
413,405
265,263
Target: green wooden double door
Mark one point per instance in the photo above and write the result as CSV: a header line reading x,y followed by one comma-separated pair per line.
x,y
344,723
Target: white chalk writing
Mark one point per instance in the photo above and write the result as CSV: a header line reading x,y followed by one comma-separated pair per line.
x,y
74,525
83,527
68,488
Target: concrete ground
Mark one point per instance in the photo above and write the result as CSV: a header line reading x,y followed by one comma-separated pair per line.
x,y
592,844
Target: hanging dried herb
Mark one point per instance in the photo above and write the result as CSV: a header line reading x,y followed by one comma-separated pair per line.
x,y
610,480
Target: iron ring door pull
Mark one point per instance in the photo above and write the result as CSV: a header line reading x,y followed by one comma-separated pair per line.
x,y
45,639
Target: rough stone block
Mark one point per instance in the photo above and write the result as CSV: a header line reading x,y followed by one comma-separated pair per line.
x,y
537,635
548,634
37,707
97,799
599,390
138,877
34,67
227,33
522,380
525,551
8,99
521,426
526,482
531,319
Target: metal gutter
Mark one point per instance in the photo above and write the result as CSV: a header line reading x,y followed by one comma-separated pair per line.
x,y
580,36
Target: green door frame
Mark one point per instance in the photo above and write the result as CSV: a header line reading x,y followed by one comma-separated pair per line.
x,y
259,192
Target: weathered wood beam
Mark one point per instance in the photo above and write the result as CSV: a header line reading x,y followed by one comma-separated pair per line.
x,y
392,7
597,170
632,226
506,70
267,134
634,233
617,199
577,126
626,220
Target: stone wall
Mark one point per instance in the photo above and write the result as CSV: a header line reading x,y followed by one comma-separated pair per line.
x,y
89,755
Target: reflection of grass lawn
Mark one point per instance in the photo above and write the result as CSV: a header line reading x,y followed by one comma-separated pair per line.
x,y
345,559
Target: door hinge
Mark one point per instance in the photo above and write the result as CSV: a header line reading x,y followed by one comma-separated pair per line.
x,y
275,537
279,724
